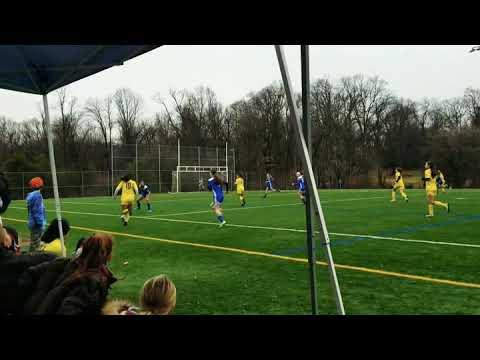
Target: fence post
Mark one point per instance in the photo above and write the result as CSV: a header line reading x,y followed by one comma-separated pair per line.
x,y
178,162
159,172
82,188
111,166
198,150
23,185
136,161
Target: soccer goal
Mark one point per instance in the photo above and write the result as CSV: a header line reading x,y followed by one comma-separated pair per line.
x,y
195,178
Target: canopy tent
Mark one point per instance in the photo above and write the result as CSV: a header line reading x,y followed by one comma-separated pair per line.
x,y
40,69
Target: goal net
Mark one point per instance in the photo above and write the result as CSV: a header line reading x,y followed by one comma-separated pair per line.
x,y
195,178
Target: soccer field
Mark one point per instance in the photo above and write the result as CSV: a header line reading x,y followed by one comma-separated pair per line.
x,y
390,259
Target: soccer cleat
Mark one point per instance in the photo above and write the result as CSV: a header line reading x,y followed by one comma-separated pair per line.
x,y
149,210
222,223
406,199
428,216
393,200
125,223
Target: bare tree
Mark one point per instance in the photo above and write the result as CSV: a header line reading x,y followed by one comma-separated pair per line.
x,y
129,106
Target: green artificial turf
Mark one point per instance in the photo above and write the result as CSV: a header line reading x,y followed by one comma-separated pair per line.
x,y
219,281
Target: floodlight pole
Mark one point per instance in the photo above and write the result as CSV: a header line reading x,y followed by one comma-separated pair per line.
x,y
310,179
53,169
307,133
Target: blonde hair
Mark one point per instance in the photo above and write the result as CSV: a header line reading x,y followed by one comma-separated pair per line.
x,y
158,295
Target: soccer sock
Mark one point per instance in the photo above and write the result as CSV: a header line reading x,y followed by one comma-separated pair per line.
x,y
149,206
138,205
304,201
403,194
220,218
439,203
125,214
393,195
430,209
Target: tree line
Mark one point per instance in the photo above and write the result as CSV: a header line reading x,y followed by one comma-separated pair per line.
x,y
358,125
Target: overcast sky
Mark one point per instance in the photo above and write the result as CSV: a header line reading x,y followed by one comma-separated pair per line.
x,y
413,72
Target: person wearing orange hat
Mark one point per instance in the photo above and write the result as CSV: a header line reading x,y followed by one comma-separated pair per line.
x,y
36,213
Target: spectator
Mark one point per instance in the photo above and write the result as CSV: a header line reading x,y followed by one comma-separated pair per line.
x,y
10,240
4,194
77,286
36,213
12,266
157,297
50,240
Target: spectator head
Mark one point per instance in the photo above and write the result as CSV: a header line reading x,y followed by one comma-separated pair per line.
x,y
213,172
52,232
96,252
298,174
36,183
142,182
158,295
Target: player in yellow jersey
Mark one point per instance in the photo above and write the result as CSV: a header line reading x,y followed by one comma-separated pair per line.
x,y
240,183
129,190
398,185
431,189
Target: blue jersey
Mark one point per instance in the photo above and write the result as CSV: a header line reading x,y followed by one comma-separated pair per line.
x,y
301,184
216,189
36,210
144,190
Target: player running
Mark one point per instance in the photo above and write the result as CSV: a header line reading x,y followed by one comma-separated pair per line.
x,y
431,189
144,191
268,184
441,184
129,190
300,184
398,185
239,182
215,185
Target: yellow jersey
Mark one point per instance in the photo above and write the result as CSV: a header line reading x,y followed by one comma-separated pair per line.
x,y
398,183
240,185
430,184
129,189
54,247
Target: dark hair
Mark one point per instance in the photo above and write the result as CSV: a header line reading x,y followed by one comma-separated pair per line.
x,y
126,178
52,232
213,172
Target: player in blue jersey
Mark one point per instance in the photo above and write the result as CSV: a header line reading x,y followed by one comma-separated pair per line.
x,y
215,185
268,184
300,185
144,192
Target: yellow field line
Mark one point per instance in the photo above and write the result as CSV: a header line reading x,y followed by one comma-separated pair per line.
x,y
273,256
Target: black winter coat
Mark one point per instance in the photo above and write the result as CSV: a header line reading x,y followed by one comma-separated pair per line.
x,y
55,292
12,266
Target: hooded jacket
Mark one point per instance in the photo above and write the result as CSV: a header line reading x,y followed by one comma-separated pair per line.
x,y
12,266
56,290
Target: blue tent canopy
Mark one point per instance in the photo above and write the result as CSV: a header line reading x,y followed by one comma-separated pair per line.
x,y
40,69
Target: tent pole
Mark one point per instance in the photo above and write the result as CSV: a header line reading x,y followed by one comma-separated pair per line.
x,y
307,133
53,169
310,179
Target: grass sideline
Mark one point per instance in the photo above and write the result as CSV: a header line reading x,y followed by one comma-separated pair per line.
x,y
216,282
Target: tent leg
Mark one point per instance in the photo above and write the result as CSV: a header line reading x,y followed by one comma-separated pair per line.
x,y
308,172
53,169
307,133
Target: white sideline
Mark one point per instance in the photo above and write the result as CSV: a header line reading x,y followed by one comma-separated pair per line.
x,y
273,228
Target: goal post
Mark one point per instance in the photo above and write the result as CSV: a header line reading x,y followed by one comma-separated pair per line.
x,y
194,178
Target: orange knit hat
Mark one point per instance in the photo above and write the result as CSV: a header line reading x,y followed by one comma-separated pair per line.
x,y
36,183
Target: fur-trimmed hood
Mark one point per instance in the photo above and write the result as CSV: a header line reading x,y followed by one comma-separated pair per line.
x,y
119,307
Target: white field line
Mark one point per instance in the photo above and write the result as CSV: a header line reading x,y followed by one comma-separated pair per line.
x,y
265,206
273,228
